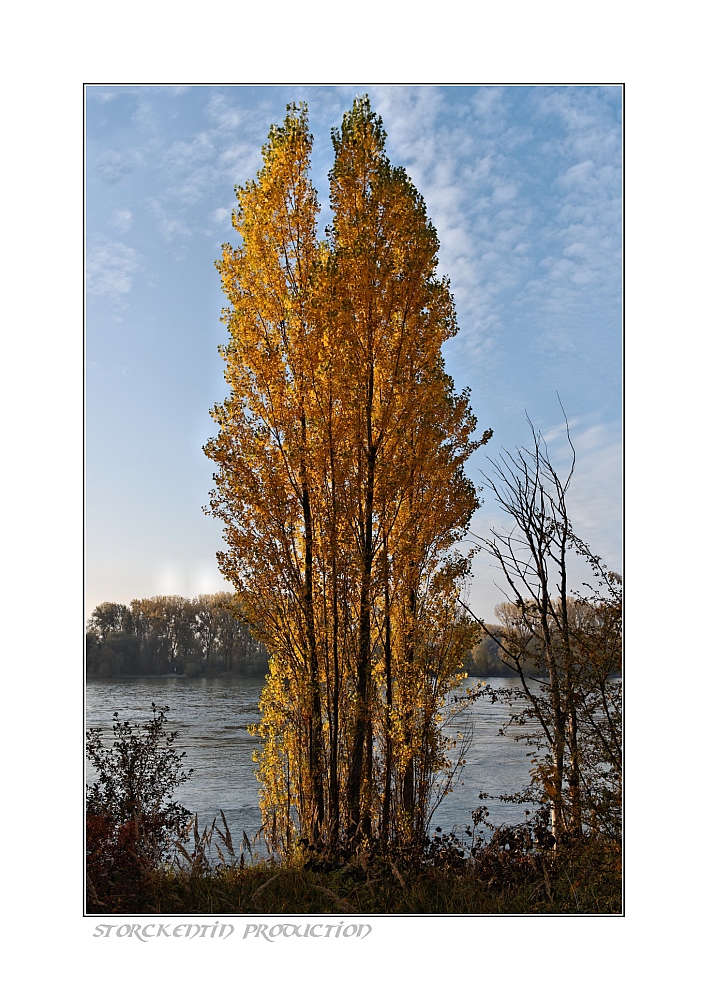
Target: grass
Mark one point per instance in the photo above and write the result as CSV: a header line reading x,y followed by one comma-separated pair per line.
x,y
581,878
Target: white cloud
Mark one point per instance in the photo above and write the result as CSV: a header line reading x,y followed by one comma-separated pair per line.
x,y
596,492
145,116
114,164
110,267
98,369
220,215
122,219
182,156
473,161
460,158
207,161
223,113
170,223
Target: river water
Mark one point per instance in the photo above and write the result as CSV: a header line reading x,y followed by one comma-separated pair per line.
x,y
211,717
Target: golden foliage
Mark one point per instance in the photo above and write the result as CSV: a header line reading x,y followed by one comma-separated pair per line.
x,y
341,484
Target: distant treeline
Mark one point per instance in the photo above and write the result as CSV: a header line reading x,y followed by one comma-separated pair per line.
x,y
488,660
484,660
168,635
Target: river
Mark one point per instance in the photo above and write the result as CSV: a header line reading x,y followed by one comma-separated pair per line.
x,y
211,717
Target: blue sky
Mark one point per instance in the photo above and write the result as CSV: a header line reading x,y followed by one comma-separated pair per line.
x,y
524,186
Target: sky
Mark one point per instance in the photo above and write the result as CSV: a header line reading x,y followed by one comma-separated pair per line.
x,y
524,187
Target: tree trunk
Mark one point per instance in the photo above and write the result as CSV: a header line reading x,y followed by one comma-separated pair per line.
x,y
316,762
361,720
334,733
386,811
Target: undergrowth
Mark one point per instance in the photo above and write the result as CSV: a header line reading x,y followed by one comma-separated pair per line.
x,y
506,875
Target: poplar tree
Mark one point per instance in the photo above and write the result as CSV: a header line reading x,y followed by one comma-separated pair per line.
x,y
341,484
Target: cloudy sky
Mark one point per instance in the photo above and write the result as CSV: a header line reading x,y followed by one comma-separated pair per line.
x,y
524,187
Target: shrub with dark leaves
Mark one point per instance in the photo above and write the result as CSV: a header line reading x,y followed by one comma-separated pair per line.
x,y
132,822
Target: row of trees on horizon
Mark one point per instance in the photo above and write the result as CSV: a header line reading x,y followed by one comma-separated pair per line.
x,y
168,635
193,637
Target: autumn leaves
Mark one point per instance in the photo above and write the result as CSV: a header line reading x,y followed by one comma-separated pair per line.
x,y
341,485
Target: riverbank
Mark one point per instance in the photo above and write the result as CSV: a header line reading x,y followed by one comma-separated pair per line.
x,y
582,878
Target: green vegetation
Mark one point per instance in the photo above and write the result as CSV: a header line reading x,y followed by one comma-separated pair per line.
x,y
172,635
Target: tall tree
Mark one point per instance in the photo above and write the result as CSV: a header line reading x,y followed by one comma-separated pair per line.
x,y
264,449
341,483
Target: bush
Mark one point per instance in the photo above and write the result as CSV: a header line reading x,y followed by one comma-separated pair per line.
x,y
132,822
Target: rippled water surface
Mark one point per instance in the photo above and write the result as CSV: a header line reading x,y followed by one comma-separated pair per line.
x,y
211,716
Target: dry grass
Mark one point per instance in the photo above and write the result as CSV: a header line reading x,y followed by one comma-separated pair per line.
x,y
582,878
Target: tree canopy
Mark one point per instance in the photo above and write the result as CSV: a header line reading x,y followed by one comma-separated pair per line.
x,y
341,484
